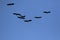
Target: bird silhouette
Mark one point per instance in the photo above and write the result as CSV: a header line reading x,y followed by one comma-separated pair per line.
x,y
37,17
27,20
46,12
19,15
9,4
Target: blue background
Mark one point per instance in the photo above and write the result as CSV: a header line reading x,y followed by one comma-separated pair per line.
x,y
46,28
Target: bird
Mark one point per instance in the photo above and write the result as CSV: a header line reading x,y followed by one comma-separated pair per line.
x,y
16,14
27,20
19,15
37,17
10,4
47,12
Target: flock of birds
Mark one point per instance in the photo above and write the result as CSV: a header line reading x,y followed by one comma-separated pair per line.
x,y
20,16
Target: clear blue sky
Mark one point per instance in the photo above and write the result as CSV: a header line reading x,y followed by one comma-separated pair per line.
x,y
47,28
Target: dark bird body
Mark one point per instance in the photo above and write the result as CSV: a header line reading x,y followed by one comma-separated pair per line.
x,y
10,4
19,15
47,12
38,17
27,20
16,14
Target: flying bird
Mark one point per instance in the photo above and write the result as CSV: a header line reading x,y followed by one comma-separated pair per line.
x,y
10,4
47,12
27,20
18,14
21,17
38,17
